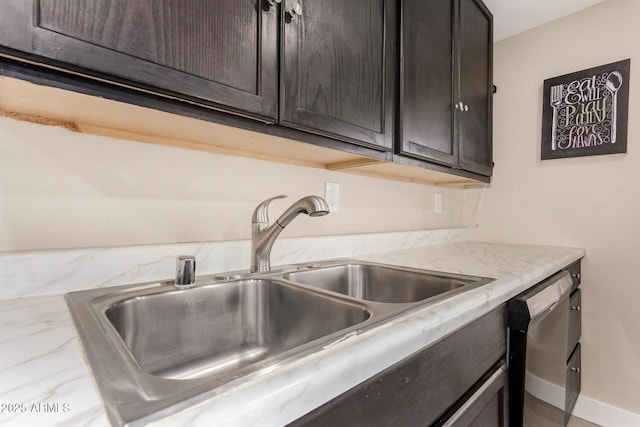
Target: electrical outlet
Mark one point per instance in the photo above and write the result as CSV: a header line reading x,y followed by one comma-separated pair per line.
x,y
332,196
437,202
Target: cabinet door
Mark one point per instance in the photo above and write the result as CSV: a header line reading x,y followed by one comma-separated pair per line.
x,y
574,382
487,407
475,87
222,52
339,69
426,81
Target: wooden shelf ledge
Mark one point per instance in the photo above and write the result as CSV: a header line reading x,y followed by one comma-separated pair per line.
x,y
78,112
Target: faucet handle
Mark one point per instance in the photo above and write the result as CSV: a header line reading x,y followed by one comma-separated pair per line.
x,y
261,213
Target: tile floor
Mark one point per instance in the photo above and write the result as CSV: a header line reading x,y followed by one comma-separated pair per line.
x,y
579,422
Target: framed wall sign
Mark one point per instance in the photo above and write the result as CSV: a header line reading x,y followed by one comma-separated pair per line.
x,y
585,113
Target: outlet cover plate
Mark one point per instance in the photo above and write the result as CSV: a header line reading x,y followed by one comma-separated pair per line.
x,y
332,196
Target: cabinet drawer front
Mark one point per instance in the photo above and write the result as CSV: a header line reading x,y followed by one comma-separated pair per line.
x,y
419,390
575,320
576,275
574,381
487,406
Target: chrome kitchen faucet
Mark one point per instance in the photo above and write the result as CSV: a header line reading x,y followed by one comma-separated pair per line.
x,y
263,236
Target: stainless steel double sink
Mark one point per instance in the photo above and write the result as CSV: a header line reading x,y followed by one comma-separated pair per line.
x,y
155,349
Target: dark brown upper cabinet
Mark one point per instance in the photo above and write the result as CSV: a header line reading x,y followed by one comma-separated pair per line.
x,y
321,71
336,58
446,83
338,67
475,87
221,53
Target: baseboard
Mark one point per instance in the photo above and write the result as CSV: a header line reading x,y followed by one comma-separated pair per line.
x,y
587,408
603,414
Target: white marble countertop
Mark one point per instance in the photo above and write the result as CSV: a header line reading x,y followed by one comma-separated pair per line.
x,y
45,379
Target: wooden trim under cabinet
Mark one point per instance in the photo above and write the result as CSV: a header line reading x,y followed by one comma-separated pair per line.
x,y
32,94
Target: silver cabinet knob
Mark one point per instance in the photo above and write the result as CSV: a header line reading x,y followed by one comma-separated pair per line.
x,y
273,3
296,10
576,276
576,370
185,271
456,106
462,107
575,307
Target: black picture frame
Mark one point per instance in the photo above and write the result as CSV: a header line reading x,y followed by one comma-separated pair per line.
x,y
586,113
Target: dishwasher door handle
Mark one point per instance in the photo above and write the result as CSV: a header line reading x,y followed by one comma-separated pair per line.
x,y
553,306
549,295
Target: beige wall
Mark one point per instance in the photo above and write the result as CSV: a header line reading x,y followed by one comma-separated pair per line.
x,y
60,189
590,202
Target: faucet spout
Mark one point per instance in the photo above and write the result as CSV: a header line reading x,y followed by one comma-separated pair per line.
x,y
310,205
263,235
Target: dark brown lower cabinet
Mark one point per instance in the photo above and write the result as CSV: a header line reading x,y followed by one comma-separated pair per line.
x,y
486,405
459,379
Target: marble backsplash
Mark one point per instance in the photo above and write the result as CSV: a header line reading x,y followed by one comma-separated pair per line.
x,y
56,272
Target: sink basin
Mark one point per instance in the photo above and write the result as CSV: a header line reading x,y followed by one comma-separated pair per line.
x,y
155,350
221,328
379,283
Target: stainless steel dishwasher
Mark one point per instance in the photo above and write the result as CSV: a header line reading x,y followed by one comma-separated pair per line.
x,y
541,391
